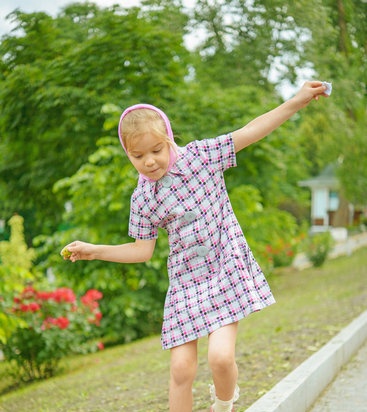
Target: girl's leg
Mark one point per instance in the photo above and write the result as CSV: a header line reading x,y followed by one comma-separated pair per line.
x,y
183,372
222,361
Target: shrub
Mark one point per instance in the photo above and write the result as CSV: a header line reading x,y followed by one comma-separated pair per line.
x,y
51,325
282,253
317,248
273,235
14,252
16,261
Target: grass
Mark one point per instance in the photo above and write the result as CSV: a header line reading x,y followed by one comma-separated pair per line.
x,y
312,306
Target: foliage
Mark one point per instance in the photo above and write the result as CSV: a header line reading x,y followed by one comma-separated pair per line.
x,y
338,33
281,253
243,40
16,261
317,247
56,74
252,41
272,234
53,325
93,56
14,252
99,195
357,149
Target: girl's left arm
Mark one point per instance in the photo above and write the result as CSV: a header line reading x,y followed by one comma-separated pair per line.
x,y
266,123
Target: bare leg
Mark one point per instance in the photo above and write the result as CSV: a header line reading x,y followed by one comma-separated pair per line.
x,y
222,360
183,372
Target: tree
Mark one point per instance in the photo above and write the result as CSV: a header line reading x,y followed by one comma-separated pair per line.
x,y
352,50
52,93
338,34
244,39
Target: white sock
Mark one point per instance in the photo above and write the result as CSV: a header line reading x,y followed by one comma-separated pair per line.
x,y
223,406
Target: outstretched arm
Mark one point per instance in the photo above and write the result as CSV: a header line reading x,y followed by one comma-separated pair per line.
x,y
266,123
134,252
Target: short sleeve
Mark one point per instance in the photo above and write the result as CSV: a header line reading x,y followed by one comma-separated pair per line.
x,y
219,152
140,226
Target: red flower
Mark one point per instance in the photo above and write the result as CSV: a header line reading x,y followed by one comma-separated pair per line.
x,y
47,323
97,319
45,295
64,295
91,304
28,293
91,295
100,345
31,307
60,322
90,299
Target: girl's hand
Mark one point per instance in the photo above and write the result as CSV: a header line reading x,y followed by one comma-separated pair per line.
x,y
78,251
311,90
133,252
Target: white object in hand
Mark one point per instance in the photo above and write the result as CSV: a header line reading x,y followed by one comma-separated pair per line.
x,y
329,88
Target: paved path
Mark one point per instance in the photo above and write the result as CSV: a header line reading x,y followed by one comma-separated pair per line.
x,y
344,357
348,392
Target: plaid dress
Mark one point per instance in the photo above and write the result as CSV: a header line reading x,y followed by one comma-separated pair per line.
x,y
214,279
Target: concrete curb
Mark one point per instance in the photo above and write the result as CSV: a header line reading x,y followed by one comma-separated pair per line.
x,y
300,389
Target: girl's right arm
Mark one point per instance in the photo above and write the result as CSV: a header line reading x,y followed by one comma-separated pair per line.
x,y
138,251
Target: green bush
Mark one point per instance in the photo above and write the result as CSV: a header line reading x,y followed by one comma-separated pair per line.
x,y
281,253
273,235
318,247
133,294
16,262
50,326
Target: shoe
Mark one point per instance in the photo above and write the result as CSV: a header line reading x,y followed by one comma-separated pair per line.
x,y
212,409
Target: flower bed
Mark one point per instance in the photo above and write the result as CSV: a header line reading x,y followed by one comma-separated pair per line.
x,y
48,326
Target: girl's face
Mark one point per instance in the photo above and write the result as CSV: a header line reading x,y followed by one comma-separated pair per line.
x,y
150,156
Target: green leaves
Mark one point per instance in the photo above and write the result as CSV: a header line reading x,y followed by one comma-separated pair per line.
x,y
49,326
272,234
52,93
65,81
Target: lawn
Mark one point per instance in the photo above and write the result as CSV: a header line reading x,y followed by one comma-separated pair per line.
x,y
312,306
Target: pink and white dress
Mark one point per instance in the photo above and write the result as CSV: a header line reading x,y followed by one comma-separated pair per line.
x,y
214,280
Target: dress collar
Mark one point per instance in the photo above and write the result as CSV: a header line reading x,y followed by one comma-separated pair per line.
x,y
150,187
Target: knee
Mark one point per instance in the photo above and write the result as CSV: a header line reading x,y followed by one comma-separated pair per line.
x,y
183,371
221,361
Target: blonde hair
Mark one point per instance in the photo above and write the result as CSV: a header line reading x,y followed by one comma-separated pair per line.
x,y
139,122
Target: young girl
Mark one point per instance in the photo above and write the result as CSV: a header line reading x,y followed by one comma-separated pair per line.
x,y
214,279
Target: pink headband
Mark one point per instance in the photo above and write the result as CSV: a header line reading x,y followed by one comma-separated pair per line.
x,y
173,155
